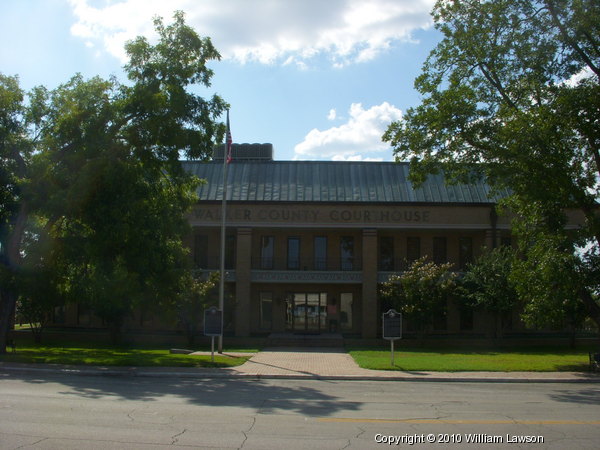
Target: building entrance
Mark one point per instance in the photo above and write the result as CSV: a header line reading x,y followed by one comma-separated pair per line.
x,y
306,312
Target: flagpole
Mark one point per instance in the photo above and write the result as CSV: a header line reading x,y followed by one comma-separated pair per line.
x,y
226,159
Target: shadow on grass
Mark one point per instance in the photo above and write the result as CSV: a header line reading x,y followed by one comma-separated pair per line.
x,y
107,355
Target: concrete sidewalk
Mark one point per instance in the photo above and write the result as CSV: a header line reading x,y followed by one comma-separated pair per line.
x,y
303,363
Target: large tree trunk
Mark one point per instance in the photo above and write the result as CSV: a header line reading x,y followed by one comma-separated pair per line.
x,y
8,294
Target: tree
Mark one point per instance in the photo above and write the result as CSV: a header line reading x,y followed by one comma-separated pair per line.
x,y
420,292
488,285
512,93
197,296
40,280
15,151
105,179
550,280
37,300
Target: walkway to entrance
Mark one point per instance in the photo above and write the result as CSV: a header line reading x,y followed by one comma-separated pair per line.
x,y
326,340
301,362
335,363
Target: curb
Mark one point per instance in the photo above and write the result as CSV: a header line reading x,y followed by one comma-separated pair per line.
x,y
135,372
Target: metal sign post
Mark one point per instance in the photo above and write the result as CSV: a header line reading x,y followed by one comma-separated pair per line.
x,y
213,326
392,328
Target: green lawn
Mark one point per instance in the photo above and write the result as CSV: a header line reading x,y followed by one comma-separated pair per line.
x,y
454,360
106,355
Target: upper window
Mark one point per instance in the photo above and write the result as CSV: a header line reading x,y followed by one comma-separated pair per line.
x,y
386,253
465,252
413,249
439,250
267,246
201,251
347,252
230,251
293,261
320,252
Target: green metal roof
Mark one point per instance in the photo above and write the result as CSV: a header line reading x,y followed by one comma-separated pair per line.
x,y
329,181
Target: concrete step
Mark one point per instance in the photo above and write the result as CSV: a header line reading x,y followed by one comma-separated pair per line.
x,y
305,340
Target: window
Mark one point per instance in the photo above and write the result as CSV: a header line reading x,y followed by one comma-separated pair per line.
x,y
386,253
413,249
267,246
266,310
347,252
465,252
230,252
439,250
346,311
201,251
293,260
320,253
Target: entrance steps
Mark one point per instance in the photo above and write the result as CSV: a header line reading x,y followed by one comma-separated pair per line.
x,y
305,340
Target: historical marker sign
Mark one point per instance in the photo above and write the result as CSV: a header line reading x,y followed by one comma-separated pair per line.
x,y
392,325
213,322
392,328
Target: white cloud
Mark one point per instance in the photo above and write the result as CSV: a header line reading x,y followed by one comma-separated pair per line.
x,y
267,31
580,76
332,114
360,135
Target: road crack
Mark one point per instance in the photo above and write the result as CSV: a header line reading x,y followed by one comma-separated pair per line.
x,y
32,444
175,437
245,432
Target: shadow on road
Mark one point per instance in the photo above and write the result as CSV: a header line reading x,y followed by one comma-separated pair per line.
x,y
589,396
263,395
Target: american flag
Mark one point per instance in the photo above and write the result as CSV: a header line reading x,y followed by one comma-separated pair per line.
x,y
229,140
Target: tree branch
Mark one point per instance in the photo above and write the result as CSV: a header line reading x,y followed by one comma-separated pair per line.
x,y
496,83
570,40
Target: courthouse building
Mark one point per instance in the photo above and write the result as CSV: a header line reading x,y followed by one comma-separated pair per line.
x,y
308,242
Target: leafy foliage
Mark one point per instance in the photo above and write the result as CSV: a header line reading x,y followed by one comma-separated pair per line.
x,y
191,303
487,283
420,291
39,282
96,163
512,93
549,279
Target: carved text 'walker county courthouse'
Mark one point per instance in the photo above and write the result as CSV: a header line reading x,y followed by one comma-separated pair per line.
x,y
309,241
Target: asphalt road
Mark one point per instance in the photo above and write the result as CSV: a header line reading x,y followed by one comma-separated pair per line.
x,y
89,412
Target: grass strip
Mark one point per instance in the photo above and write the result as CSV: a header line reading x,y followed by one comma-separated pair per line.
x,y
100,355
460,360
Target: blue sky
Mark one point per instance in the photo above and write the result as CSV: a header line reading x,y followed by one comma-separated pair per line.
x,y
318,79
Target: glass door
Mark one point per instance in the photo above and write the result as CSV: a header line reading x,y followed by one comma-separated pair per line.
x,y
307,312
